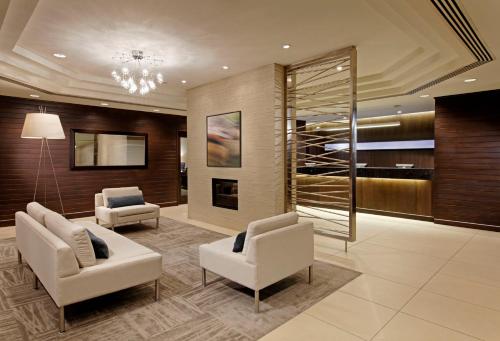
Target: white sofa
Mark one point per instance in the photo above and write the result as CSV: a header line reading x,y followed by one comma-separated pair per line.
x,y
56,266
274,249
123,215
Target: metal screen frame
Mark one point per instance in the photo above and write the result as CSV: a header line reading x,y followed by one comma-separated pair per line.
x,y
321,93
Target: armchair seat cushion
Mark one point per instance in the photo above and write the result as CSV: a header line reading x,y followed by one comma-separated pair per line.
x,y
220,258
125,214
135,209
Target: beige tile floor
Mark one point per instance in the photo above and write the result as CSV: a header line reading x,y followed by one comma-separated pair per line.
x,y
420,281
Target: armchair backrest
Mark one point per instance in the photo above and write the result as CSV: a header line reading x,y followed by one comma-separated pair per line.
x,y
98,200
280,252
116,192
268,224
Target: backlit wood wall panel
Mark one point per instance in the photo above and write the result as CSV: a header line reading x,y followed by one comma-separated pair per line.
x,y
19,157
466,186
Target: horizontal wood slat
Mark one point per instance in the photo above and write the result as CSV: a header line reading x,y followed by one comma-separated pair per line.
x,y
19,157
466,187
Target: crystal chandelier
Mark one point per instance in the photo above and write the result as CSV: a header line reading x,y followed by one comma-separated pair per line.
x,y
137,72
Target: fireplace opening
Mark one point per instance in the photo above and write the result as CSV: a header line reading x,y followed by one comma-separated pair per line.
x,y
225,193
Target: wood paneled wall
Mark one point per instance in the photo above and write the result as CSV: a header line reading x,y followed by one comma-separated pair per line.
x,y
415,126
466,188
19,157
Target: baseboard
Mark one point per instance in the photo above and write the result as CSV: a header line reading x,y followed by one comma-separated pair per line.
x,y
476,226
395,214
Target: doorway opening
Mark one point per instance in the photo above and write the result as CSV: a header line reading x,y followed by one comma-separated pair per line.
x,y
183,168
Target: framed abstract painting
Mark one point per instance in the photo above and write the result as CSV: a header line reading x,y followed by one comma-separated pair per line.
x,y
224,140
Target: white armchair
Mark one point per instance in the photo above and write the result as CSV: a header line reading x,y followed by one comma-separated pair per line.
x,y
274,249
123,215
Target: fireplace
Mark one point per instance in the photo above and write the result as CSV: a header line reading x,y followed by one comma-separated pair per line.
x,y
225,193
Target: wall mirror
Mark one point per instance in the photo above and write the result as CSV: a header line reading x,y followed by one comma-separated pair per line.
x,y
93,149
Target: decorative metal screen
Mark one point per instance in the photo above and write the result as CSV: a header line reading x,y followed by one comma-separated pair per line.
x,y
321,110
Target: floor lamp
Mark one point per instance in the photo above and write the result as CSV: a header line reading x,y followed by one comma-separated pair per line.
x,y
45,127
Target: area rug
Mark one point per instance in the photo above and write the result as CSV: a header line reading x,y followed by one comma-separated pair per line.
x,y
186,311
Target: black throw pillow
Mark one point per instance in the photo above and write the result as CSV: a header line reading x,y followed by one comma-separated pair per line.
x,y
128,200
239,242
99,245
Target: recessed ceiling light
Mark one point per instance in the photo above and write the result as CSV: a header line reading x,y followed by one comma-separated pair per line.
x,y
400,111
470,80
286,46
424,96
339,68
183,81
35,96
225,67
105,104
59,55
156,110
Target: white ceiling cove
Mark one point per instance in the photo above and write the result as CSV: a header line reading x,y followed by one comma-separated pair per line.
x,y
401,46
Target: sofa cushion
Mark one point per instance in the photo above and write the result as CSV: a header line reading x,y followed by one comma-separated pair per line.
x,y
268,224
127,200
120,247
74,235
119,192
239,242
37,212
99,245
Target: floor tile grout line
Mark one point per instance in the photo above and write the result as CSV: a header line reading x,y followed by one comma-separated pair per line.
x,y
399,311
410,251
368,273
334,325
469,280
415,252
355,243
460,300
422,286
364,298
474,263
439,325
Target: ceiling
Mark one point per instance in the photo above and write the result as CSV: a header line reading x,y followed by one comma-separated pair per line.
x,y
401,46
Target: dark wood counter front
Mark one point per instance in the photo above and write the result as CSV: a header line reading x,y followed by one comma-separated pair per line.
x,y
388,191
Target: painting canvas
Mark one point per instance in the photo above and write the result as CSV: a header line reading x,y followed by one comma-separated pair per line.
x,y
224,140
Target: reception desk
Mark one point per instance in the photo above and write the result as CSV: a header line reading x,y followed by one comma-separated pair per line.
x,y
383,190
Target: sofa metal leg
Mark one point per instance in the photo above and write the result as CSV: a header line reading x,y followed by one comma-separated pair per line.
x,y
19,257
62,324
204,277
157,290
35,283
310,274
257,300
157,222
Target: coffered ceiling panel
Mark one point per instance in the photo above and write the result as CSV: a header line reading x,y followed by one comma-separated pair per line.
x,y
402,45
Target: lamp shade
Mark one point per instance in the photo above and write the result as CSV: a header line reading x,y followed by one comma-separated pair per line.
x,y
41,125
